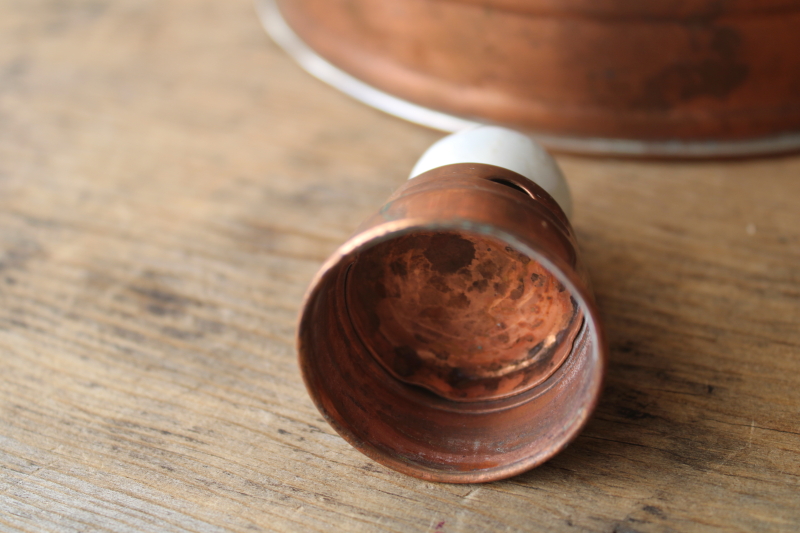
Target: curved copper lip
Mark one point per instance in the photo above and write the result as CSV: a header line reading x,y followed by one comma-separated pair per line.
x,y
667,10
391,229
755,145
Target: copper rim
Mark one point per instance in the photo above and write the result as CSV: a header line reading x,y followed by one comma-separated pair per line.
x,y
455,408
771,136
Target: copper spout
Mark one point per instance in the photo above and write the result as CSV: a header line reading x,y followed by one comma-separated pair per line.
x,y
453,337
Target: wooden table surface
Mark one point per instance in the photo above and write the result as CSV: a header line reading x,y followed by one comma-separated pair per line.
x,y
169,183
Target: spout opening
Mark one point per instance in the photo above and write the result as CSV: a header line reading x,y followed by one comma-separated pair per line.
x,y
461,314
451,354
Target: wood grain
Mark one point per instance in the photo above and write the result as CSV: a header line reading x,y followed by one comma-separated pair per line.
x,y
169,183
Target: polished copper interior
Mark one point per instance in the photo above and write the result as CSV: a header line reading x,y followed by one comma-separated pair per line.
x,y
463,315
453,337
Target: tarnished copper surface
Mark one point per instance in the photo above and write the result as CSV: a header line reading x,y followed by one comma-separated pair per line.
x,y
658,71
463,315
453,337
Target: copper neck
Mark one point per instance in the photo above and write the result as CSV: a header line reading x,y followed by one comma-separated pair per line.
x,y
453,337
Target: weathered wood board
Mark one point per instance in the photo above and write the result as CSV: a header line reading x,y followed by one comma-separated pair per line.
x,y
169,183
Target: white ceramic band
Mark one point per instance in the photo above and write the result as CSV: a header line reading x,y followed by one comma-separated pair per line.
x,y
502,147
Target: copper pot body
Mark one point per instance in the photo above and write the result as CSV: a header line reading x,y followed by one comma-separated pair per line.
x,y
454,337
660,70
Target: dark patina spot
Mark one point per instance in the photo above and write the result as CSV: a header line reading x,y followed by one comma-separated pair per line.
x,y
480,285
487,269
406,361
439,283
398,268
517,293
459,301
500,287
458,379
448,253
533,352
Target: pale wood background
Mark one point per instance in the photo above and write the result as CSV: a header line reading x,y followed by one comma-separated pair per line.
x,y
169,183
